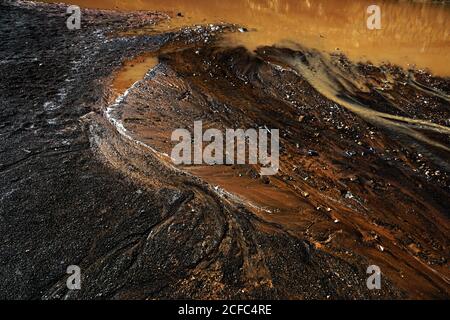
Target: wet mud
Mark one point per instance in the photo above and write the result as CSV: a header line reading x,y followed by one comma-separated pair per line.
x,y
354,180
87,118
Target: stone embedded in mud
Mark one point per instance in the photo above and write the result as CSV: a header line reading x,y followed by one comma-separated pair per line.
x,y
145,245
265,179
350,154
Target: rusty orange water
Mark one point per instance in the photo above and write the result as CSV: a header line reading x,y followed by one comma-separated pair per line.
x,y
412,34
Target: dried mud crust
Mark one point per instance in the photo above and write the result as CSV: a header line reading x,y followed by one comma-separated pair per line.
x,y
76,192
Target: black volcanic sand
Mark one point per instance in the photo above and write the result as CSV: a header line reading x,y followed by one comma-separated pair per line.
x,y
76,192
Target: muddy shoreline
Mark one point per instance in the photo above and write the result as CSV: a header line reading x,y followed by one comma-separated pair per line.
x,y
77,192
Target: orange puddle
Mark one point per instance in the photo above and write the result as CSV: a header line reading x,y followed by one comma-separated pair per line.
x,y
412,33
132,71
